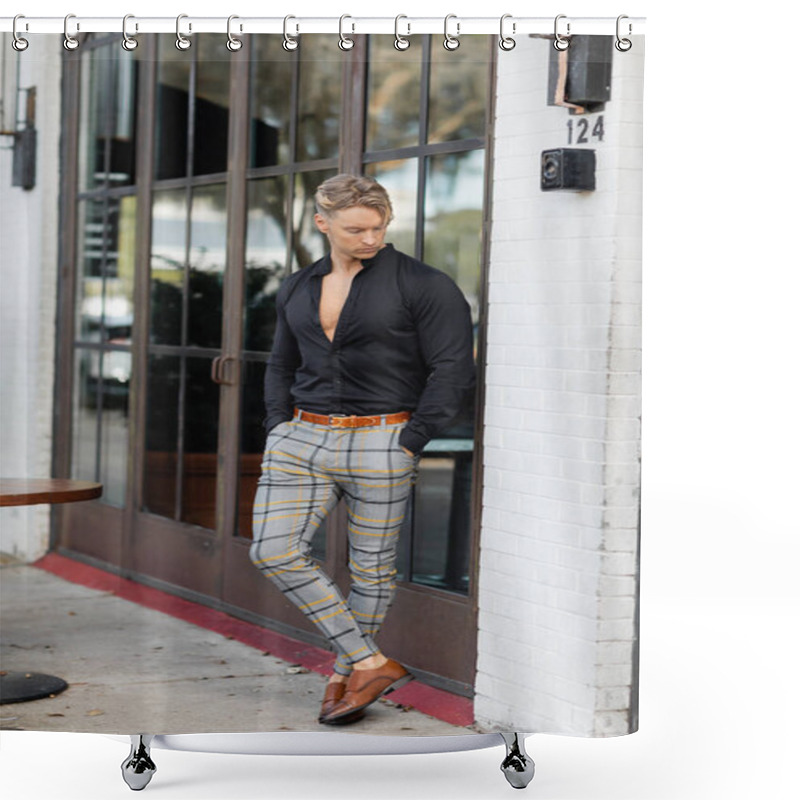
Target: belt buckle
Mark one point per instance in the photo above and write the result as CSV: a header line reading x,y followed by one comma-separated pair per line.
x,y
337,420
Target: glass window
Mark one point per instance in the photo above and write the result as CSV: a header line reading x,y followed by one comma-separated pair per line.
x,y
401,179
212,101
265,259
106,253
160,489
271,77
85,402
459,85
173,80
453,215
208,231
200,434
108,107
167,263
114,425
320,98
308,244
394,86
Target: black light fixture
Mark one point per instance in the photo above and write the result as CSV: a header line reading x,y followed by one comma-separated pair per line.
x,y
568,168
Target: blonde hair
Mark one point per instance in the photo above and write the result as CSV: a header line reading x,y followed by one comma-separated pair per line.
x,y
348,191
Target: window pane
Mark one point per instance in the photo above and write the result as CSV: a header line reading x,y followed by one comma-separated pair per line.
x,y
116,375
172,109
167,260
442,517
271,72
207,266
453,214
211,105
106,253
320,98
160,475
84,416
201,414
458,91
400,179
393,95
91,249
308,244
108,106
265,259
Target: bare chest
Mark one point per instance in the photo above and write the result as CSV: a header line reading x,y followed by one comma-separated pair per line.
x,y
334,292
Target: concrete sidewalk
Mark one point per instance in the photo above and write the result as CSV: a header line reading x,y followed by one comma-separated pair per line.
x,y
132,669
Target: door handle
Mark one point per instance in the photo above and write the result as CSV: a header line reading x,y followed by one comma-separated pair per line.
x,y
218,371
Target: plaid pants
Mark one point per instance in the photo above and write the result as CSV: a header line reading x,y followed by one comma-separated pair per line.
x,y
307,469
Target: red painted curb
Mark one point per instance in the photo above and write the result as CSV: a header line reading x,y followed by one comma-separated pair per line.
x,y
435,703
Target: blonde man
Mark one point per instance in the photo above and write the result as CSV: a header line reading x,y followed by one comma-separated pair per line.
x,y
372,358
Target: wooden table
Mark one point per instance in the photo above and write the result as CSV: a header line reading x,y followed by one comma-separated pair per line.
x,y
20,687
32,491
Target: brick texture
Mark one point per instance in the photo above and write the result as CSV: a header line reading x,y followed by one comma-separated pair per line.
x,y
559,538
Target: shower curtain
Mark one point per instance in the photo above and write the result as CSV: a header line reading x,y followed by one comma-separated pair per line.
x,y
172,195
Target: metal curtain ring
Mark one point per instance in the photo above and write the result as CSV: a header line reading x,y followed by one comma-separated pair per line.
x,y
181,42
233,44
561,43
506,42
18,43
289,42
451,42
70,42
128,42
623,45
344,42
400,42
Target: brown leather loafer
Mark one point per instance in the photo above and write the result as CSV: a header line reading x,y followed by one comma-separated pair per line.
x,y
334,692
364,687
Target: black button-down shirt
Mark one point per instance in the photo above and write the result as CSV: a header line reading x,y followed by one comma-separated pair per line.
x,y
403,342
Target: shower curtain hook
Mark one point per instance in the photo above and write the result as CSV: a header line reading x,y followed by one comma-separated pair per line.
x,y
561,43
451,42
623,45
507,42
18,43
344,42
181,42
289,42
70,42
128,42
233,44
400,42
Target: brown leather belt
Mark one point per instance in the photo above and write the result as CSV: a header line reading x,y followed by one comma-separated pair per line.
x,y
342,421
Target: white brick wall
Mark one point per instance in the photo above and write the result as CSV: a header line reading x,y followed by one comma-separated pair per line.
x,y
559,551
28,270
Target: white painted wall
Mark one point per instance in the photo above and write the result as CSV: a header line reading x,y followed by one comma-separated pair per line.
x,y
28,271
559,550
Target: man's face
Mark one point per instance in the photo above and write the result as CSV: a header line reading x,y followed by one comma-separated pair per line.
x,y
354,233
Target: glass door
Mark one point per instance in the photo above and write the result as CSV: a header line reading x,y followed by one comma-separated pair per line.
x,y
177,537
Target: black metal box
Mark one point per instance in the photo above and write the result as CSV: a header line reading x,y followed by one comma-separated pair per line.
x,y
568,168
588,79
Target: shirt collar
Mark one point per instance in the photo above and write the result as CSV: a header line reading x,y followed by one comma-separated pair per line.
x,y
324,265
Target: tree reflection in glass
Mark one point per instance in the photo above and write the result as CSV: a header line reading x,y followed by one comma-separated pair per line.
x,y
271,76
393,92
320,98
265,259
458,91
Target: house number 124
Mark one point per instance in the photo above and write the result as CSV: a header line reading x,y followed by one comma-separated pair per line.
x,y
579,131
